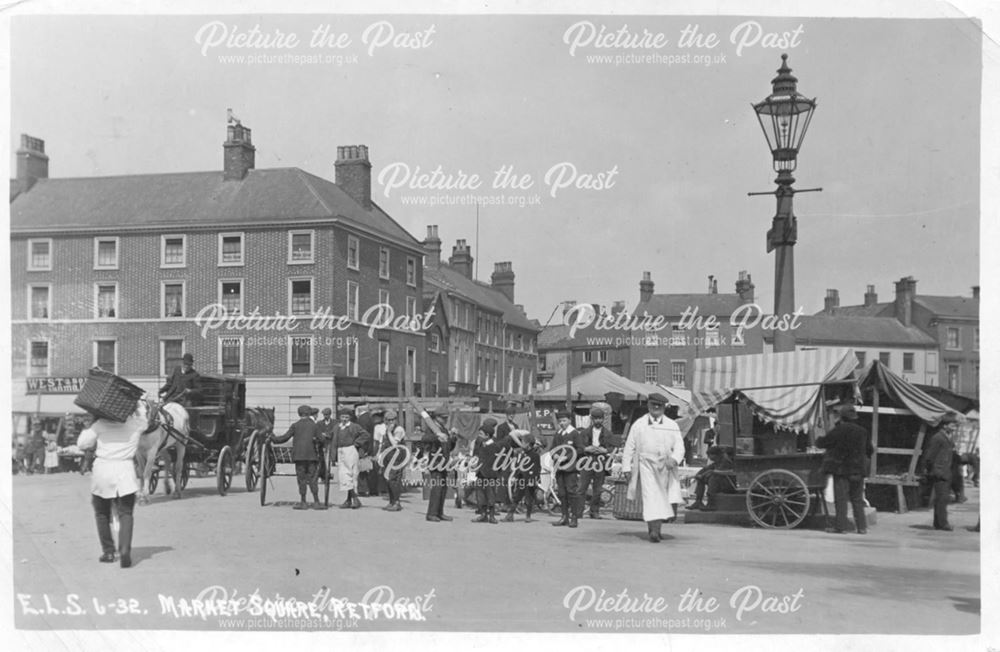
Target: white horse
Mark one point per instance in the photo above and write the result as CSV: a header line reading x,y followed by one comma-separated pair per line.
x,y
154,443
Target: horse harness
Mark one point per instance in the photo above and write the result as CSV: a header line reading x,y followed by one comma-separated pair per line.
x,y
157,417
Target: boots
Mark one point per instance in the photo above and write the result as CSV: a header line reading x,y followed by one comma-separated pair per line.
x,y
527,515
349,503
654,530
492,515
565,516
574,515
510,515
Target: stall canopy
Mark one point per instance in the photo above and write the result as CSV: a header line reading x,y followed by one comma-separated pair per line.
x,y
594,384
780,388
924,406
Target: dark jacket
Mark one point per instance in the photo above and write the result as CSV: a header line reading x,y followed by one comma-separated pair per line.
x,y
438,452
351,435
598,460
576,440
304,433
936,460
178,382
367,421
532,469
486,450
327,429
849,447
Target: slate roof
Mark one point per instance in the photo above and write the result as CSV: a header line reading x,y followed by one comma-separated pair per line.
x,y
453,281
874,310
191,200
673,305
850,330
967,307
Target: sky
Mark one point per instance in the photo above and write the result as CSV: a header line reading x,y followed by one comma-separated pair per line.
x,y
669,148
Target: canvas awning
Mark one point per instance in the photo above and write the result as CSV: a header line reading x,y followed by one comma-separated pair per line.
x,y
46,404
905,395
594,384
780,388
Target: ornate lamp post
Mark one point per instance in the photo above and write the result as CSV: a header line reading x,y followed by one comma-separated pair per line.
x,y
784,117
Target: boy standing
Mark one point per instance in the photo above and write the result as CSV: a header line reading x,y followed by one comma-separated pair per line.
x,y
305,434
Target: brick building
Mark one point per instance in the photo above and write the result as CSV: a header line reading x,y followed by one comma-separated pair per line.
x,y
586,348
952,322
130,272
667,356
487,345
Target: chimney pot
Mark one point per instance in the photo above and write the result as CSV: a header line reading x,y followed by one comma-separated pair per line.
x,y
503,279
832,301
238,152
906,290
744,287
870,297
353,173
461,258
32,163
646,287
432,247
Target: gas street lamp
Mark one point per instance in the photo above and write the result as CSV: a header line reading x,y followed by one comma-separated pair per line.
x,y
784,117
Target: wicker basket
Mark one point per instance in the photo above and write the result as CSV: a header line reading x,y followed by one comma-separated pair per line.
x,y
623,508
108,396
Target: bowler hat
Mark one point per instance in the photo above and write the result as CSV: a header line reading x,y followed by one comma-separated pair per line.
x,y
187,357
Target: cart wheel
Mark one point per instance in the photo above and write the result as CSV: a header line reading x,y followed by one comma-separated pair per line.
x,y
328,464
224,470
252,465
154,480
778,499
266,455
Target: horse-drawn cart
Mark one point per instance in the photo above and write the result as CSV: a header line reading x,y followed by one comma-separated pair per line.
x,y
220,428
770,410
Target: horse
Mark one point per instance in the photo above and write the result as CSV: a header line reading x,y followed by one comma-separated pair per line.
x,y
169,418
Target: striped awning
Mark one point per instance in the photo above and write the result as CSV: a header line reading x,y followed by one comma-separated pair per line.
x,y
780,388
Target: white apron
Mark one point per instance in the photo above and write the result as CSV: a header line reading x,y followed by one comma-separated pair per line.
x,y
647,449
347,468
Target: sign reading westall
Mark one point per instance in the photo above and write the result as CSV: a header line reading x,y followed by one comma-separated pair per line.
x,y
55,385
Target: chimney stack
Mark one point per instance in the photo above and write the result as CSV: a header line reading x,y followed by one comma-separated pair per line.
x,y
975,291
353,173
617,307
906,290
745,287
713,285
870,297
831,302
567,306
461,258
646,287
503,279
32,163
432,245
238,151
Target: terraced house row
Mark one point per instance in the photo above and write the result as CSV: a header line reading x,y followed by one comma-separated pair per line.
x,y
276,274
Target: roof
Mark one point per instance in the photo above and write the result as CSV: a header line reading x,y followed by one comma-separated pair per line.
x,y
950,306
873,310
557,336
554,337
455,282
851,331
674,305
194,199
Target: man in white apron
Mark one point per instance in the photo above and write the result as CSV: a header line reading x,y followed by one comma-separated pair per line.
x,y
653,451
348,438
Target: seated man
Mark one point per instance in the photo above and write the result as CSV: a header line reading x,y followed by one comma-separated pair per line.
x,y
182,386
715,478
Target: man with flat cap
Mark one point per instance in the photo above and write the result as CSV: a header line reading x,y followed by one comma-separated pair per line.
x,y
391,458
653,451
596,462
848,446
182,386
438,443
305,435
567,449
348,439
